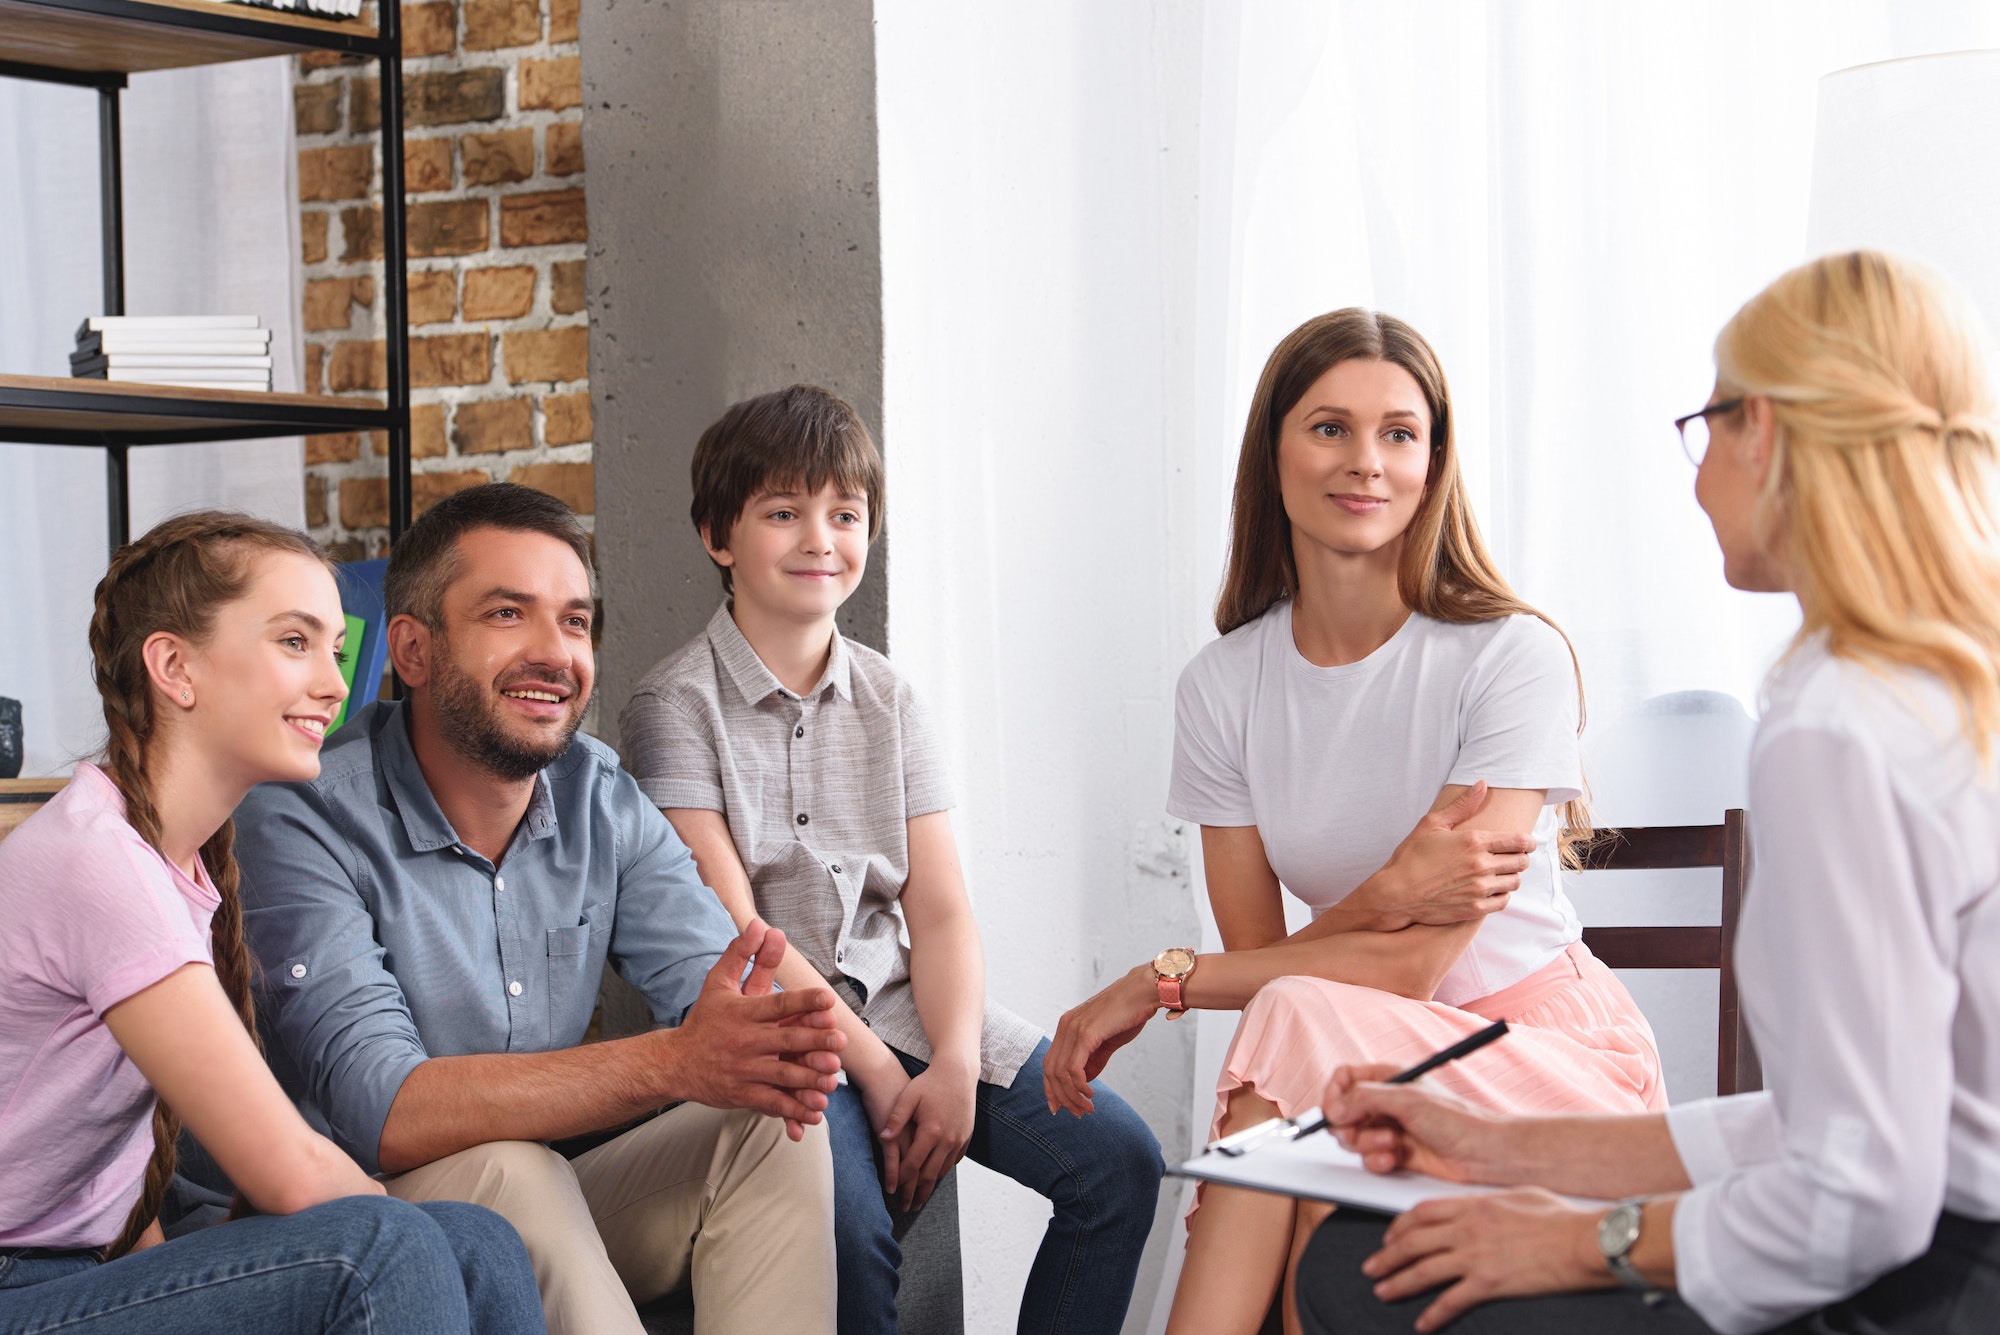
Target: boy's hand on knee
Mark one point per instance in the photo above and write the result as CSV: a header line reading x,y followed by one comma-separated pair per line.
x,y
881,1093
931,1124
744,1046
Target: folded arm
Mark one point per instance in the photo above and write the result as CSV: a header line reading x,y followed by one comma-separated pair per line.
x,y
1244,893
1352,942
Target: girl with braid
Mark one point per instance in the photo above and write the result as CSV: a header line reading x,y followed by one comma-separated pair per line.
x,y
125,1004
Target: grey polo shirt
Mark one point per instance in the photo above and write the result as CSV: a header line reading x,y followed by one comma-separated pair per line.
x,y
384,941
818,791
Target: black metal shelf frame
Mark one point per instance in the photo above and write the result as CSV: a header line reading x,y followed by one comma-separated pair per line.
x,y
245,421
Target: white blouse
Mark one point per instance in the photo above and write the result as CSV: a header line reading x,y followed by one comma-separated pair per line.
x,y
1869,961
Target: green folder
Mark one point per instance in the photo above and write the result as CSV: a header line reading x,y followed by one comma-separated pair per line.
x,y
350,658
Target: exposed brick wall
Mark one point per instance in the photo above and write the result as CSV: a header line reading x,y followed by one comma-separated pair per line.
x,y
499,349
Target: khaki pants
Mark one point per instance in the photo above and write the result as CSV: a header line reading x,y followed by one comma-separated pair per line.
x,y
719,1201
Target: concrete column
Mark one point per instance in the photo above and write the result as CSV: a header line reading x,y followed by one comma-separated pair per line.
x,y
735,247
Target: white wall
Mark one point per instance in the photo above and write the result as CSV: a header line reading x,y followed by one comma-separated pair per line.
x,y
1038,216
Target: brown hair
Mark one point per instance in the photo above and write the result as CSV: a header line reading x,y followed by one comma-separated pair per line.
x,y
1446,573
424,560
174,579
801,436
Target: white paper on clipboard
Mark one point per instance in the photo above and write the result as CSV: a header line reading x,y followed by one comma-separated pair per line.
x,y
1318,1168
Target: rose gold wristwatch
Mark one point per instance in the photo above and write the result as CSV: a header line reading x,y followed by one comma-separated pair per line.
x,y
1172,968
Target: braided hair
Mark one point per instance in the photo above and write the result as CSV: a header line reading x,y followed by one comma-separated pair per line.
x,y
174,579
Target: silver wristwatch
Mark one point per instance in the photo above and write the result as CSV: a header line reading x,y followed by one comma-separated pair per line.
x,y
1617,1233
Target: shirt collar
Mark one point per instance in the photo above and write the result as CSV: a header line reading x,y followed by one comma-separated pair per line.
x,y
423,820
756,681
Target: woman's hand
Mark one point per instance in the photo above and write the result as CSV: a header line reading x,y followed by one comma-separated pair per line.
x,y
1442,873
1401,1126
1508,1245
1087,1035
930,1126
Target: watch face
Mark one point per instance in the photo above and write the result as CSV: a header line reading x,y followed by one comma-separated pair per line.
x,y
1173,962
1619,1230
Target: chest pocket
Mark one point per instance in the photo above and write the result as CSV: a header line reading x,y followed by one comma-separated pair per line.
x,y
569,962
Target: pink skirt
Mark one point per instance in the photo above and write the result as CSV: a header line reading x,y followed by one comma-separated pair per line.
x,y
1576,1042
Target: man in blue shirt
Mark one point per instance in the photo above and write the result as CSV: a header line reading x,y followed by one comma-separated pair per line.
x,y
432,915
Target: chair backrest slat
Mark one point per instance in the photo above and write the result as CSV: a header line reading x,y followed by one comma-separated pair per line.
x,y
1653,847
1657,947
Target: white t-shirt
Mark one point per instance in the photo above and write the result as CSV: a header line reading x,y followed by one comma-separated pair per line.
x,y
1335,765
1869,958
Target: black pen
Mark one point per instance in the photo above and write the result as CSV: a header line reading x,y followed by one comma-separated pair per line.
x,y
1311,1120
1472,1043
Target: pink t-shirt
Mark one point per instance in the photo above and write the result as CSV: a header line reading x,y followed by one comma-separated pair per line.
x,y
90,914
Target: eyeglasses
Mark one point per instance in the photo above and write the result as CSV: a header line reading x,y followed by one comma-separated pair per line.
x,y
1694,430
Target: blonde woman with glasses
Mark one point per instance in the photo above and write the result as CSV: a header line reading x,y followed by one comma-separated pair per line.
x,y
1847,457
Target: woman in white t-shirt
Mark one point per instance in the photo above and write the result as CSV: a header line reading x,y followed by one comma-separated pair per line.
x,y
1375,673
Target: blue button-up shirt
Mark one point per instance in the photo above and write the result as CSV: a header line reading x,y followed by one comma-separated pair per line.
x,y
385,941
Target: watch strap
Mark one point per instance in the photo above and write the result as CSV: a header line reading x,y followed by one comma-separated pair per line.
x,y
1619,1261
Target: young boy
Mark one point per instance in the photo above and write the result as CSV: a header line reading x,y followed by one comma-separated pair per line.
x,y
800,770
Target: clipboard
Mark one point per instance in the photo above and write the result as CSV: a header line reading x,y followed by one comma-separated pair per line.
x,y
1319,1168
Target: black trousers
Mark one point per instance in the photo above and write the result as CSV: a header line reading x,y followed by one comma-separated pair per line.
x,y
1952,1289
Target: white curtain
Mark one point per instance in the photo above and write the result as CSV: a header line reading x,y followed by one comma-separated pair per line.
x,y
211,227
1097,222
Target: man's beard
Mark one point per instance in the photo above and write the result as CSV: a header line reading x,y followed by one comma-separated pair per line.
x,y
469,720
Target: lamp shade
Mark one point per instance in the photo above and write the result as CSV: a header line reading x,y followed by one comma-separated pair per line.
x,y
1907,158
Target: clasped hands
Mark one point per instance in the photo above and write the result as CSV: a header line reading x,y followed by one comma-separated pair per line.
x,y
745,1045
1510,1244
1441,873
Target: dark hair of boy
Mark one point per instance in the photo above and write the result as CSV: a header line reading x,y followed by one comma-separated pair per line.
x,y
795,439
424,561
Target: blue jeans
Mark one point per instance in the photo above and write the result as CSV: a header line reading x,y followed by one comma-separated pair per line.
x,y
362,1265
1101,1172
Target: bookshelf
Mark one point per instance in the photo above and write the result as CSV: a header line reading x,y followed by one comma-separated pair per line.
x,y
96,44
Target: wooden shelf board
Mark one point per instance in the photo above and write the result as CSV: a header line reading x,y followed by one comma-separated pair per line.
x,y
130,410
98,36
22,798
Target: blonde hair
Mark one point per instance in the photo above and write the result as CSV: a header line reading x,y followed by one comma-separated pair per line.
x,y
1446,572
1881,488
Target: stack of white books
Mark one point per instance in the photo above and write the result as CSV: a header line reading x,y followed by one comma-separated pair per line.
x,y
332,9
190,351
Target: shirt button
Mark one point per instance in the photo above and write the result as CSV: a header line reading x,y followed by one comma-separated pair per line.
x,y
499,884
803,818
840,956
298,971
835,869
798,732
513,989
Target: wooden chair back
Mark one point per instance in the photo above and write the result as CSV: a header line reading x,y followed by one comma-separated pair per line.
x,y
1663,846
22,798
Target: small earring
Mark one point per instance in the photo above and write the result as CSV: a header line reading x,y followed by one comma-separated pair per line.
x,y
185,697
